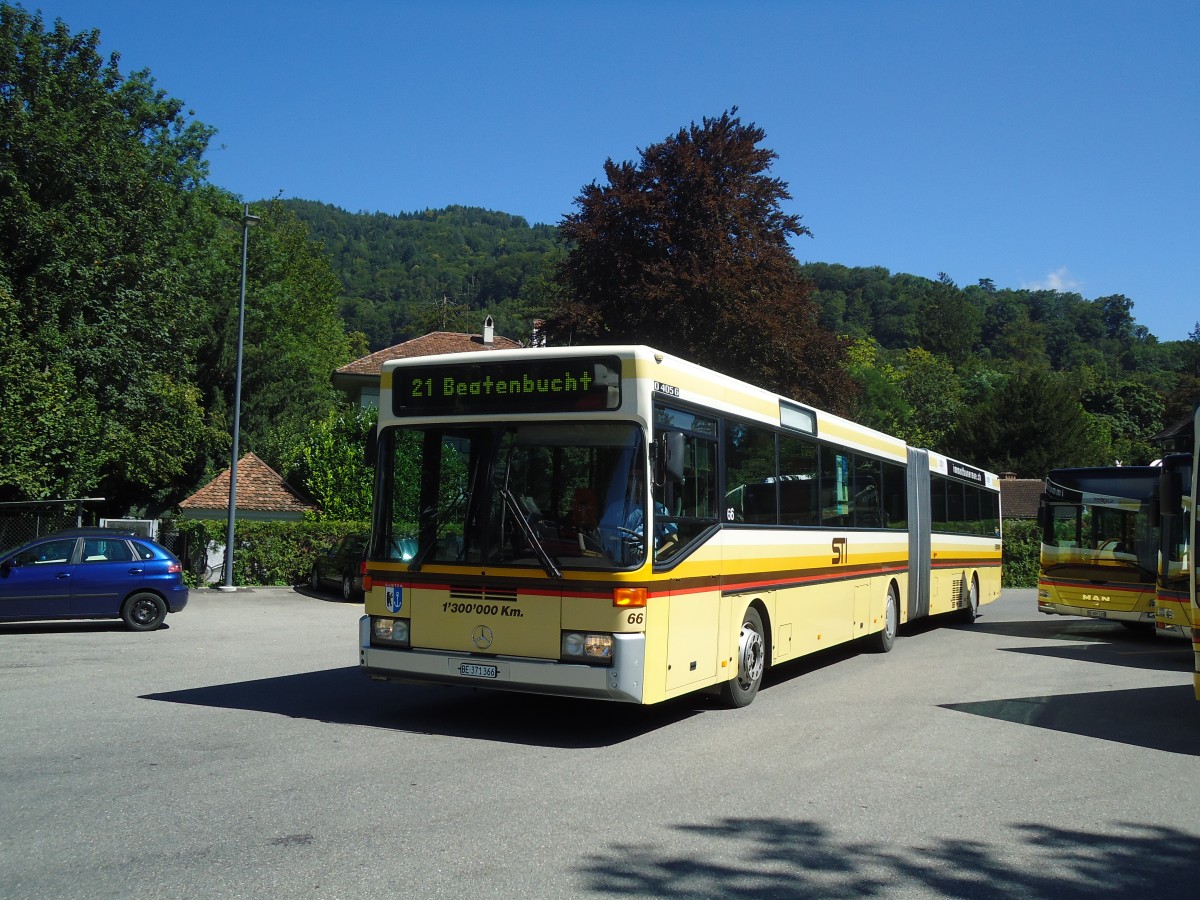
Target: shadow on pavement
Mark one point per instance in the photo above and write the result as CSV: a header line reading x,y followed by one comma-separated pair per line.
x,y
793,858
346,697
1159,718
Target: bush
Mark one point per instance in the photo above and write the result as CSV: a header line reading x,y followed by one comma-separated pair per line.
x,y
264,553
1022,553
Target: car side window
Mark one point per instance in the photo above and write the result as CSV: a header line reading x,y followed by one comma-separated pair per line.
x,y
106,550
46,553
142,551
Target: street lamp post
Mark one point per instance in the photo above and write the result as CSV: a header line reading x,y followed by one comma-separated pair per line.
x,y
248,221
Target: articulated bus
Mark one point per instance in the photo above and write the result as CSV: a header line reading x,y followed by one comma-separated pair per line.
x,y
1175,565
1193,509
1099,555
1179,500
619,524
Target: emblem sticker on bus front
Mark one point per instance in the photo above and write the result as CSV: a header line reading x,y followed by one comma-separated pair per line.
x,y
394,596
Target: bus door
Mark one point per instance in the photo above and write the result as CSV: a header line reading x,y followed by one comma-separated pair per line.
x,y
685,517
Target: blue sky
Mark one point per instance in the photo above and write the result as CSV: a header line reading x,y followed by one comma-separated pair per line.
x,y
1038,144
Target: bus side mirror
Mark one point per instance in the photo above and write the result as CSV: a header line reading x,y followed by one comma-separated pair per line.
x,y
371,450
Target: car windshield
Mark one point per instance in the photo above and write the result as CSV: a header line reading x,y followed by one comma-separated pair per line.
x,y
562,495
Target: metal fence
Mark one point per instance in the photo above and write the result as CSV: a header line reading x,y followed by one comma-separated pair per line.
x,y
20,525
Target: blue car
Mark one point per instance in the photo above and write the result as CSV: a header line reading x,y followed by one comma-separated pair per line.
x,y
91,573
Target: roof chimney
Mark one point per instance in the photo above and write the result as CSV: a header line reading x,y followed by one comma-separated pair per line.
x,y
489,331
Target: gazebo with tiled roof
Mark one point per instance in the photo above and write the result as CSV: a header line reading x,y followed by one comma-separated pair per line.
x,y
360,379
262,495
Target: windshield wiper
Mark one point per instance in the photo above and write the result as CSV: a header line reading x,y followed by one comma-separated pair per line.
x,y
423,550
543,555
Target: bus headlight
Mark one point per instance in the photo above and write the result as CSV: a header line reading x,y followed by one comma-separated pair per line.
x,y
588,647
389,631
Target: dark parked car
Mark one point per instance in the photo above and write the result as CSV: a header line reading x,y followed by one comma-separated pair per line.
x,y
91,573
341,566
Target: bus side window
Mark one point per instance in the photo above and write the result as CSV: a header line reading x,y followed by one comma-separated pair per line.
x,y
798,481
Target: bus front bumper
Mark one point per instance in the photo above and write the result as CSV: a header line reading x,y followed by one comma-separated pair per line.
x,y
1087,612
622,681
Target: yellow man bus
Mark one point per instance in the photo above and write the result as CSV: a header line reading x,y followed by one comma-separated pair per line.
x,y
1173,609
1099,555
620,524
1180,493
1193,509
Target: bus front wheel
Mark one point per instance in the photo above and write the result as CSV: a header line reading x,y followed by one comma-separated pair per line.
x,y
740,690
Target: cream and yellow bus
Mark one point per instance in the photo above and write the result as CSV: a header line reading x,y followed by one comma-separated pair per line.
x,y
1173,609
1179,498
620,524
1100,544
1193,508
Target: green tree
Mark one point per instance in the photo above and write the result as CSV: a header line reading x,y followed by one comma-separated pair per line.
x,y
100,179
933,392
294,339
880,401
1132,413
329,464
949,325
687,249
1032,424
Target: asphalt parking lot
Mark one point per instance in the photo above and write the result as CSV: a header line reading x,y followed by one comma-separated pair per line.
x,y
239,753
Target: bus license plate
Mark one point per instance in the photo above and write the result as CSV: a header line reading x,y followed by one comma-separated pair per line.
x,y
474,670
1096,613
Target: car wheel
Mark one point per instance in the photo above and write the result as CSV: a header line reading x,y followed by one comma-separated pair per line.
x,y
347,587
143,612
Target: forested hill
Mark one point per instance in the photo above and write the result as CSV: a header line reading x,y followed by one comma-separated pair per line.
x,y
928,354
404,275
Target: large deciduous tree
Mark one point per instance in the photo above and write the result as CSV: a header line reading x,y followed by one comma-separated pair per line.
x,y
97,179
687,249
119,285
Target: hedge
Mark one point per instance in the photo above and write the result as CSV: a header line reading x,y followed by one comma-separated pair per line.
x,y
1022,553
264,553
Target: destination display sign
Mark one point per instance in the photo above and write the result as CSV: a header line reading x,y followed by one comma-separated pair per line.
x,y
572,384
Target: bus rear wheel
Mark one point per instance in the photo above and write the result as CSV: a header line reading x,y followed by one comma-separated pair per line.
x,y
741,690
970,609
883,640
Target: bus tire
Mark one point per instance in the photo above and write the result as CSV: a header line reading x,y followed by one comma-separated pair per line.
x,y
970,610
883,640
741,689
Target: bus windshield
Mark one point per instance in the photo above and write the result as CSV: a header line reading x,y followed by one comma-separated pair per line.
x,y
552,495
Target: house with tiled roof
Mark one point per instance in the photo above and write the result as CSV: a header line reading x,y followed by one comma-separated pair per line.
x,y
262,495
360,379
1019,497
